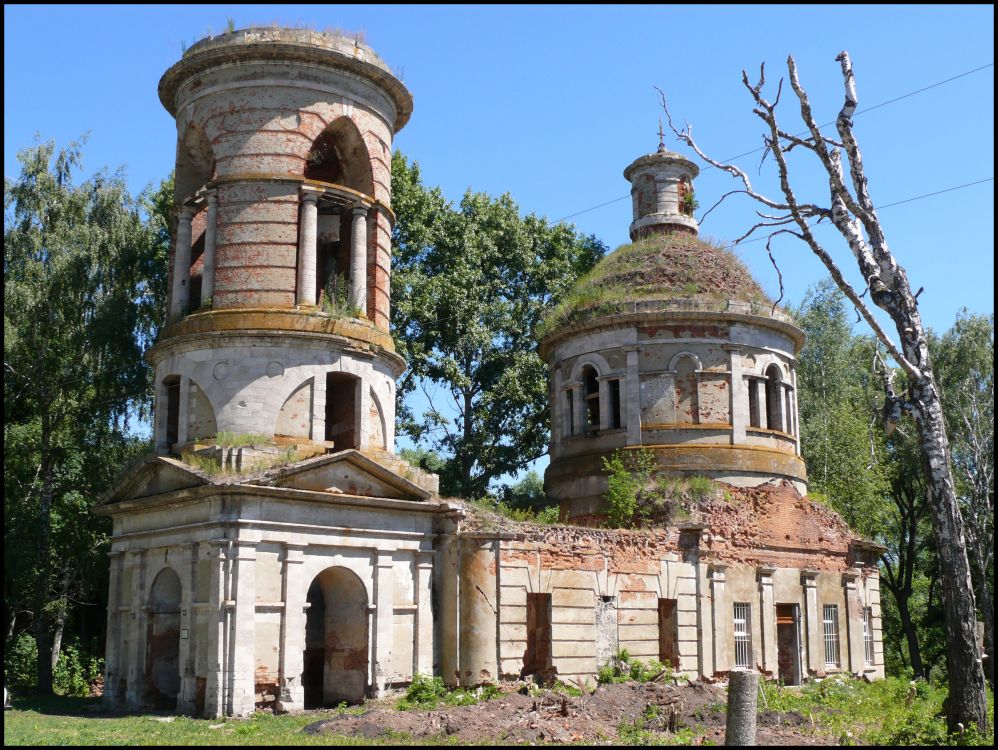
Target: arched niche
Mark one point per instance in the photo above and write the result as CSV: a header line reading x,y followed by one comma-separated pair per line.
x,y
589,376
339,155
195,163
201,421
377,432
295,417
163,640
336,658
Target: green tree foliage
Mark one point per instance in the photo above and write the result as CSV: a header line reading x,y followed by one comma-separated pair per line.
x,y
469,284
83,289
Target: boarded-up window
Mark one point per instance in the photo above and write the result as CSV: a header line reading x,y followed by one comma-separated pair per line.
x,y
537,657
668,633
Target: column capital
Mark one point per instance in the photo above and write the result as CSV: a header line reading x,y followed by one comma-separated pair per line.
x,y
211,196
360,210
186,213
809,578
384,559
716,571
765,575
310,195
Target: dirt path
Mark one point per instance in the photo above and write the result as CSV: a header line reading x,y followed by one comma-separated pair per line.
x,y
517,718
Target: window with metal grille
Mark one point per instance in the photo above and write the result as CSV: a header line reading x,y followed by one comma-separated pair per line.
x,y
743,637
831,612
868,634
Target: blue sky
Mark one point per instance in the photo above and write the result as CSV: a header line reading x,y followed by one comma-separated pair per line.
x,y
550,103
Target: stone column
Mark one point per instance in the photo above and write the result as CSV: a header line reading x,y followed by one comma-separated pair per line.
x,y
478,657
358,260
720,618
112,652
448,564
216,622
307,228
632,398
557,413
243,629
188,634
581,415
208,259
603,384
182,265
767,621
738,408
812,617
384,600
291,695
854,622
423,651
136,630
763,401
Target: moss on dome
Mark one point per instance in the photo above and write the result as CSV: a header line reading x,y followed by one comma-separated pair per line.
x,y
667,267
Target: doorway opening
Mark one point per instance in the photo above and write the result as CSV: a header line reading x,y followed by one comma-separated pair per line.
x,y
336,656
163,641
668,633
788,643
537,657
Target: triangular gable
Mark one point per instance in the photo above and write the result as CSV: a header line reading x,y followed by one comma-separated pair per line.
x,y
349,472
153,475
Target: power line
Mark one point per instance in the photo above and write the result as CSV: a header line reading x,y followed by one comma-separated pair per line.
x,y
898,203
760,148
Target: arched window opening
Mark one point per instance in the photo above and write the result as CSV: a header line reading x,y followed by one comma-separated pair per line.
x,y
687,391
171,387
339,155
195,164
336,657
342,400
590,385
774,399
163,640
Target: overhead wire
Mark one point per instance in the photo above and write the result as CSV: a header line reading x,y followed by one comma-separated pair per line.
x,y
760,148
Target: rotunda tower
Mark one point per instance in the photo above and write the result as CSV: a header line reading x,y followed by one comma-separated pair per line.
x,y
669,344
279,275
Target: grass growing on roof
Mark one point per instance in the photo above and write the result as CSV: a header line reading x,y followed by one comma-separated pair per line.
x,y
675,266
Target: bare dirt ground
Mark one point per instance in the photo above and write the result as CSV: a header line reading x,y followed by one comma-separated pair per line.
x,y
517,718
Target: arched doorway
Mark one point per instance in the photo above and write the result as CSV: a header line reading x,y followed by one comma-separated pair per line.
x,y
336,655
163,640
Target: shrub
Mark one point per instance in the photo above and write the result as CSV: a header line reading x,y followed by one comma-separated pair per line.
x,y
76,671
20,662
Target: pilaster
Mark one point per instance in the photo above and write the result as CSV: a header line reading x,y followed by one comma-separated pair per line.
x,y
767,620
384,598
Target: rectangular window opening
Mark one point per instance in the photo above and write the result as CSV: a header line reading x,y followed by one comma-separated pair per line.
x,y
868,635
753,403
831,623
743,635
570,421
614,404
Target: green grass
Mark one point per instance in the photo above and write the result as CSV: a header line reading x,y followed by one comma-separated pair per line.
x,y
877,713
78,721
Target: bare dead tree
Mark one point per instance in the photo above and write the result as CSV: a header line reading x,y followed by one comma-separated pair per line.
x,y
851,211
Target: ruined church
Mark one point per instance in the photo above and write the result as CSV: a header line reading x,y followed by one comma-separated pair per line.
x,y
274,551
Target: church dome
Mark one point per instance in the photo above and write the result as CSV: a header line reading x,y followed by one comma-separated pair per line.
x,y
663,270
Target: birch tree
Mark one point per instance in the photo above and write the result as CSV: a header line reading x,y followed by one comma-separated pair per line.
x,y
850,209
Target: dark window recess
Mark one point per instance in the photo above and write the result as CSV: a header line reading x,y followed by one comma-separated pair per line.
x,y
570,397
172,385
341,410
668,633
591,385
537,657
753,404
615,421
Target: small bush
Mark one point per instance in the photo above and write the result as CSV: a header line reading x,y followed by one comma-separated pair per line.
x,y
21,662
429,692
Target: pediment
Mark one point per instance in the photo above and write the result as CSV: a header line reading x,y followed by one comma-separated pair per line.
x,y
153,475
349,472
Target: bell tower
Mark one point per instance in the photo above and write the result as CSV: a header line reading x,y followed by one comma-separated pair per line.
x,y
279,275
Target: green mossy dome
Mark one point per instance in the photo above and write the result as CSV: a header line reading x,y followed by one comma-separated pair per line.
x,y
672,268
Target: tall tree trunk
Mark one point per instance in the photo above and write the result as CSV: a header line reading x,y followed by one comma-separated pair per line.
x,y
41,624
60,624
967,702
988,611
910,633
